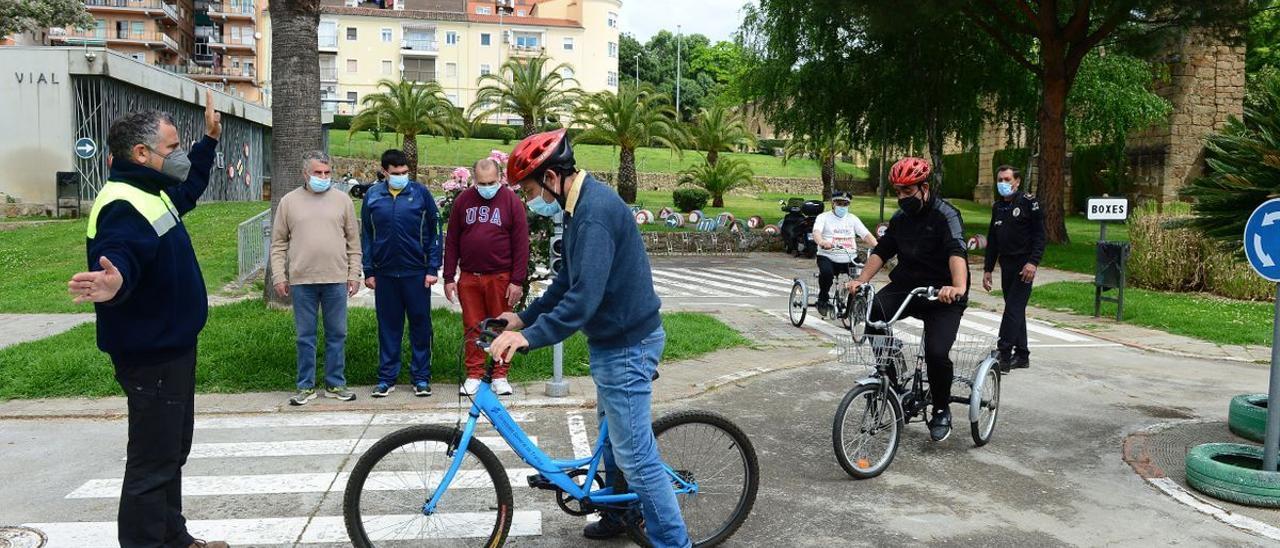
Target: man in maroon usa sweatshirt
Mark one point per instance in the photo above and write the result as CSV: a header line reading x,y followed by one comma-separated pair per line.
x,y
488,241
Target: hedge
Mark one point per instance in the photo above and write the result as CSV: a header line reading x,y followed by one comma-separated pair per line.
x,y
769,146
959,175
341,121
1170,255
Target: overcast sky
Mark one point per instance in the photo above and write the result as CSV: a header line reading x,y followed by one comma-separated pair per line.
x,y
717,19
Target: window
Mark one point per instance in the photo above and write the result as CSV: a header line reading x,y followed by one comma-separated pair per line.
x,y
566,73
138,32
419,70
122,29
328,67
613,79
485,39
484,69
484,10
352,66
328,34
386,68
450,70
451,38
613,20
521,13
351,97
568,44
386,35
529,41
613,49
235,35
351,33
140,57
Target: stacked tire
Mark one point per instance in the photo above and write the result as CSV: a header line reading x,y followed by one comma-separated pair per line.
x,y
1233,471
1247,416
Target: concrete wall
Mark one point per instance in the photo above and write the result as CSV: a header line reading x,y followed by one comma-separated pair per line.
x,y
36,107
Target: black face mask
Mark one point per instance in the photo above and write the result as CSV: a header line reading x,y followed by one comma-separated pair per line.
x,y
913,205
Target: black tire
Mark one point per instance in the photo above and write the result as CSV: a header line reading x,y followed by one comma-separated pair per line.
x,y
1233,472
735,512
1247,416
875,402
842,303
857,311
435,437
989,407
798,304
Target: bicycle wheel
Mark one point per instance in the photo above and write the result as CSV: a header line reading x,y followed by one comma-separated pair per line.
x,y
857,311
712,451
798,305
866,430
988,400
842,306
382,505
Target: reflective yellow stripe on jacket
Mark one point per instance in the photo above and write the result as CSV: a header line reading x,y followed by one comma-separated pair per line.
x,y
157,209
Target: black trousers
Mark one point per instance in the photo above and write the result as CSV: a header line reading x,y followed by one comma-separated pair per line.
x,y
827,270
941,323
1013,326
161,417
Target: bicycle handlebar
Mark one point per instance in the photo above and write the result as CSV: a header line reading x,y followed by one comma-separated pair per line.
x,y
929,293
489,329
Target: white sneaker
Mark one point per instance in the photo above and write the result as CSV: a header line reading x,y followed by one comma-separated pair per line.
x,y
469,387
501,387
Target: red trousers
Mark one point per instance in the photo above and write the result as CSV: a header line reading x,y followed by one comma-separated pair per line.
x,y
481,296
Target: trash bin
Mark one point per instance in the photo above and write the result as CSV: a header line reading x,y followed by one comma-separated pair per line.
x,y
68,193
1112,259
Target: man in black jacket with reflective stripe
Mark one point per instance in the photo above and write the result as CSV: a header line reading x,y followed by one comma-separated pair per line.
x,y
1015,239
927,237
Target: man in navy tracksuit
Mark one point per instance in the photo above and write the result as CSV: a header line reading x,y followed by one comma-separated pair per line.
x,y
606,291
401,247
151,304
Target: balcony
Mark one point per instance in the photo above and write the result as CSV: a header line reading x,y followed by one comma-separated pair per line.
x,y
420,46
162,11
115,37
328,74
329,43
245,44
195,72
420,76
233,10
527,51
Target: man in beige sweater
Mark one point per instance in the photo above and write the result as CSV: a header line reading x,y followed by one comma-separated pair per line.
x,y
315,258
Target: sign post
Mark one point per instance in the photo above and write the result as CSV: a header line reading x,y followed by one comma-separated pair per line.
x,y
1262,247
86,148
557,387
1109,272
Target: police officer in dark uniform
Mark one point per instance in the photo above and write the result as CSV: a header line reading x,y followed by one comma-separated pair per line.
x,y
1016,240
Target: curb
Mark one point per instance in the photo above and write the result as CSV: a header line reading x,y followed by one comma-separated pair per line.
x,y
1134,454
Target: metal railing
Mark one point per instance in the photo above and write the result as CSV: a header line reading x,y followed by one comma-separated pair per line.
x,y
418,75
232,8
329,74
136,4
113,34
197,70
253,244
328,41
527,50
423,44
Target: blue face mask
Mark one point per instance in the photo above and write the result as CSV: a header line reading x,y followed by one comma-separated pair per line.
x,y
319,185
1005,189
488,191
398,182
543,207
841,211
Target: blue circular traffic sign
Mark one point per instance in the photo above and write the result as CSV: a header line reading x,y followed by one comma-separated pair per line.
x,y
86,148
1262,240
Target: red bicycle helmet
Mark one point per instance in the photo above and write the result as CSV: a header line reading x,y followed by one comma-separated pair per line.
x,y
535,151
909,171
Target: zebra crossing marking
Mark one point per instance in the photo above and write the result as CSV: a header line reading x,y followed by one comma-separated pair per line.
x,y
307,419
678,279
301,448
1036,327
277,484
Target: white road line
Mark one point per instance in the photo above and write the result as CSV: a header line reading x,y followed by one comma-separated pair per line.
x,y
984,328
1036,327
688,277
304,419
299,448
1078,345
274,484
736,280
578,436
1241,521
258,531
697,291
664,291
766,273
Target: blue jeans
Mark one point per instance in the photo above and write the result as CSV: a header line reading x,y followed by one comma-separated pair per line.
x,y
624,388
394,298
307,300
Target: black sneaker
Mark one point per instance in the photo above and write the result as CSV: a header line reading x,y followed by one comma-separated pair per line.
x,y
940,425
824,309
1020,362
611,525
1002,362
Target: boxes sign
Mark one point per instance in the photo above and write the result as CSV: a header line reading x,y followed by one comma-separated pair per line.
x,y
1108,209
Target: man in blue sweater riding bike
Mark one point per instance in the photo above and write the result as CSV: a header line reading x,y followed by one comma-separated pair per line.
x,y
927,237
606,291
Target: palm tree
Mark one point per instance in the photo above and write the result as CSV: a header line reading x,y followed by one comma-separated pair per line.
x,y
1243,170
296,126
527,89
633,117
719,178
411,110
824,148
718,128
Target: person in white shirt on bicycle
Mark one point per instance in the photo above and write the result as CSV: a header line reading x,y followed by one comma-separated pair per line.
x,y
835,231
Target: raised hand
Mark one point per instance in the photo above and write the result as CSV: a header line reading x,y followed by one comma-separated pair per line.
x,y
212,119
99,287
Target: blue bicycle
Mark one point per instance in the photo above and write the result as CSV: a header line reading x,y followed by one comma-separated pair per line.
x,y
438,483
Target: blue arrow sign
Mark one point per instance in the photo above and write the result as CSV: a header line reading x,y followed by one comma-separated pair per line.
x,y
86,148
1262,240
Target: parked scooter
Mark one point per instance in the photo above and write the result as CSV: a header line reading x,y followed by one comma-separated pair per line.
x,y
797,226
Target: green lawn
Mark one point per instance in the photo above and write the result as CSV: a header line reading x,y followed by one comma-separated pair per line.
x,y
437,151
246,347
37,261
1197,315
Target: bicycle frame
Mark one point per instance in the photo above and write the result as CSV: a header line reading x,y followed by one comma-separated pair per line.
x,y
486,403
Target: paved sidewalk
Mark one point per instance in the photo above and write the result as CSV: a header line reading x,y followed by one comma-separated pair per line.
x,y
20,328
1107,328
781,347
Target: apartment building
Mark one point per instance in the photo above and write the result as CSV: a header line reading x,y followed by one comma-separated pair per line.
x,y
455,42
211,41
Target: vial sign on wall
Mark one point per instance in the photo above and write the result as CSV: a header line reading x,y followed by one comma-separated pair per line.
x,y
1108,209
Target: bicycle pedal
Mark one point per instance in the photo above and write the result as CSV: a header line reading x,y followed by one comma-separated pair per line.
x,y
538,481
